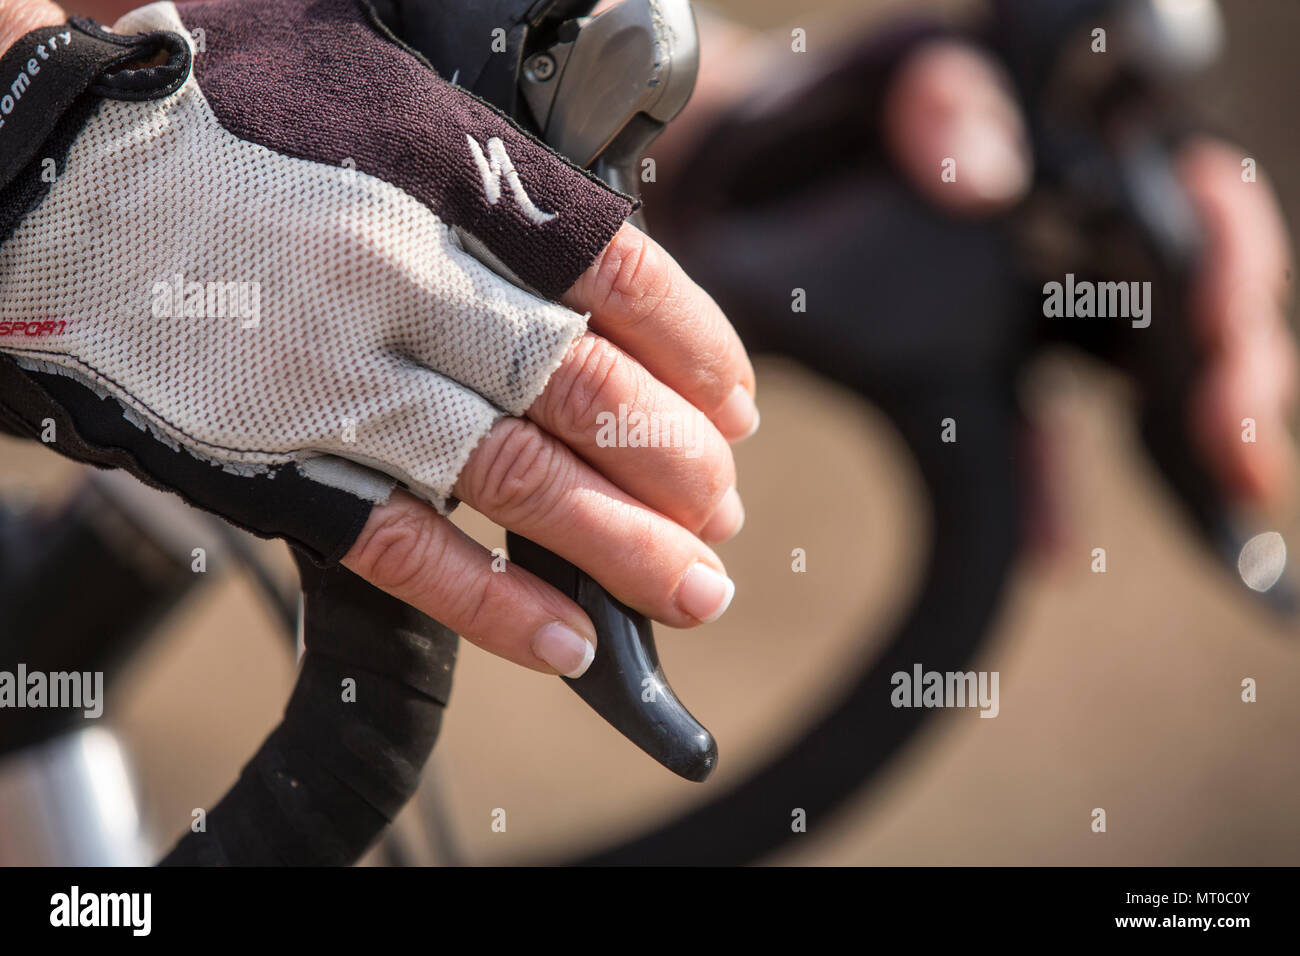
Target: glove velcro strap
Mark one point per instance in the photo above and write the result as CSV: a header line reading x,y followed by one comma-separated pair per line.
x,y
46,71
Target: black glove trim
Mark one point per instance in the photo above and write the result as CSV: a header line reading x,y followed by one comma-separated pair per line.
x,y
279,503
45,72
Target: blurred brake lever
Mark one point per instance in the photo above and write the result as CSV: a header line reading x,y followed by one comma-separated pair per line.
x,y
1102,136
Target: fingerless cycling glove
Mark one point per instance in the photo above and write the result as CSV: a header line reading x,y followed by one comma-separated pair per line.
x,y
235,258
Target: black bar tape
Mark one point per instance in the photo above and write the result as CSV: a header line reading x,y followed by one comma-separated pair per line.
x,y
46,71
346,757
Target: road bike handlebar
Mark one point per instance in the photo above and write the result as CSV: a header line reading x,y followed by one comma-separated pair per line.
x,y
365,712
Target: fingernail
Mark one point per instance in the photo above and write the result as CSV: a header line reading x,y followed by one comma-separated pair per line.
x,y
727,519
737,419
704,593
989,162
564,649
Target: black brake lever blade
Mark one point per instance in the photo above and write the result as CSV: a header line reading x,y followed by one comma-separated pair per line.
x,y
625,683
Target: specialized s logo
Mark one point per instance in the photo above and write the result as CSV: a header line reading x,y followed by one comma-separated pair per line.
x,y
492,167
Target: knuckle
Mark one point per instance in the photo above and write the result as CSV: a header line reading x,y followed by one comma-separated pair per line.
x,y
583,385
631,277
398,550
480,612
520,481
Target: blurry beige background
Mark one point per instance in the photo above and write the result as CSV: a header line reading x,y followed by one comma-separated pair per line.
x,y
1119,690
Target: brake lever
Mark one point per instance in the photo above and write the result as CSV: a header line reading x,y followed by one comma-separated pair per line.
x,y
599,92
597,89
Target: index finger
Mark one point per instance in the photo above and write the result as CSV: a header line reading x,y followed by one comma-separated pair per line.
x,y
642,301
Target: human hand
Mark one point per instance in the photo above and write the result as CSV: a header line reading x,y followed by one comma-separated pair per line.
x,y
356,224
948,100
